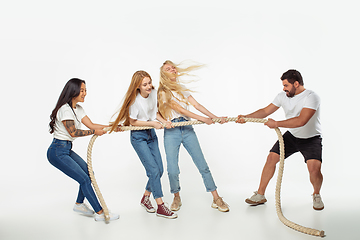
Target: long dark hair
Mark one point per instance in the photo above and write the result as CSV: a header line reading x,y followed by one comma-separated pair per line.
x,y
71,90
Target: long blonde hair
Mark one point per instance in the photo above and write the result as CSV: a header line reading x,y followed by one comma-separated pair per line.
x,y
167,87
133,90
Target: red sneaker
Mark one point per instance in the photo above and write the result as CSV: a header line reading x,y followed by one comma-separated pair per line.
x,y
163,211
145,202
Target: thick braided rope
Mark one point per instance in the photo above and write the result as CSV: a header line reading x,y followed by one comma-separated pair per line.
x,y
93,180
285,221
175,124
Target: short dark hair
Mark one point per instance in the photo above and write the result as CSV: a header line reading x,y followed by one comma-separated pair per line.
x,y
292,76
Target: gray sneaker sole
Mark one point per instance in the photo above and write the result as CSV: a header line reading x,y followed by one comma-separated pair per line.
x,y
318,209
88,214
255,203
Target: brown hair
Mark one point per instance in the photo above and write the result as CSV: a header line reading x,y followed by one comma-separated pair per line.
x,y
133,90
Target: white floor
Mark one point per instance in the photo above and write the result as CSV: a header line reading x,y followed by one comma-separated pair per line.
x,y
37,201
54,219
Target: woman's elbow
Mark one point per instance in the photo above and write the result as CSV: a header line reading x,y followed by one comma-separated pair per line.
x,y
181,111
197,106
73,134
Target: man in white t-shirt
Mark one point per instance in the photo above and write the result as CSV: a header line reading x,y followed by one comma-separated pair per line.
x,y
302,111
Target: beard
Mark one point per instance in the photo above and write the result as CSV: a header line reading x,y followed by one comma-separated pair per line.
x,y
291,93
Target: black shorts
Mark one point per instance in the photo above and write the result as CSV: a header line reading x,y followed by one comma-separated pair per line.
x,y
310,148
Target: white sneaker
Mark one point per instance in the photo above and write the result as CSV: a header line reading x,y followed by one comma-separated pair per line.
x,y
256,199
317,202
83,209
101,217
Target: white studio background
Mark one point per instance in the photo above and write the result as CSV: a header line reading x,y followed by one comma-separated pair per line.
x,y
246,46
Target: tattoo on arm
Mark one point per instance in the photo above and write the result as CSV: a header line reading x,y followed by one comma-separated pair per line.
x,y
70,127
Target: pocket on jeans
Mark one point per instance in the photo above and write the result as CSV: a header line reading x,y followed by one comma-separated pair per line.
x,y
137,137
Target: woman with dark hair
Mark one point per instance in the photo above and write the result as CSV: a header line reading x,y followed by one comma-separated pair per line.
x,y
65,124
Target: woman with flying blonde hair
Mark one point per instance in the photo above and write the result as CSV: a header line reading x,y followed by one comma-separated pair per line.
x,y
174,99
140,109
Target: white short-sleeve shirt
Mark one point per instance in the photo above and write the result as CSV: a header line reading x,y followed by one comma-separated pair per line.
x,y
66,113
144,109
292,108
176,114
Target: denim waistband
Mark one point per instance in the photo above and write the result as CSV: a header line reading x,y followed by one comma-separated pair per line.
x,y
55,140
148,131
179,119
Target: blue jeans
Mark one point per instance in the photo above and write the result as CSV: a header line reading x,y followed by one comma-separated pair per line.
x,y
63,158
173,138
145,143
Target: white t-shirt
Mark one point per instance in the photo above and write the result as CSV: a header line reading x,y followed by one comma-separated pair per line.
x,y
65,113
144,109
176,114
293,106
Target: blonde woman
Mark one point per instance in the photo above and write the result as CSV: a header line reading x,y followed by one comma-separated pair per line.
x,y
140,109
174,99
